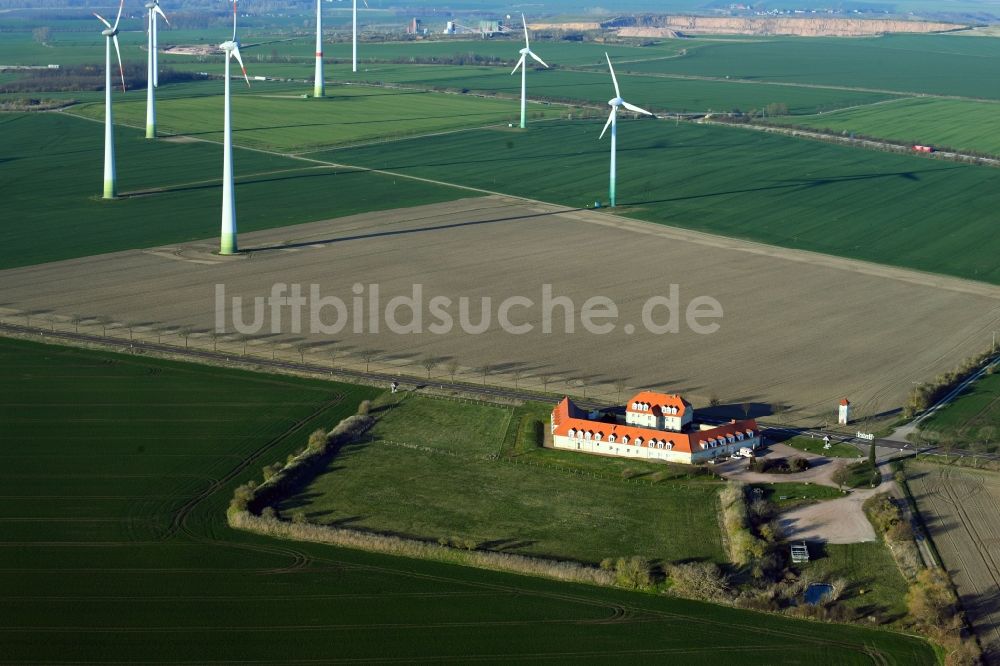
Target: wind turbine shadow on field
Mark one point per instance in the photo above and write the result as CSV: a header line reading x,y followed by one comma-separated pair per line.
x,y
216,184
255,129
489,160
796,184
403,232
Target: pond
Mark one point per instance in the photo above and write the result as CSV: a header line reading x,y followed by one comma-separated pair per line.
x,y
816,592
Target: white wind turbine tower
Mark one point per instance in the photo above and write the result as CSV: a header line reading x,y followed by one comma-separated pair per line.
x,y
523,64
228,239
111,35
152,69
318,88
354,41
613,123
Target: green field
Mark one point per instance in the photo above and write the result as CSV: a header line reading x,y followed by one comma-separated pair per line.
x,y
50,183
970,421
899,63
836,450
961,125
657,94
410,480
275,117
114,545
885,208
876,583
788,495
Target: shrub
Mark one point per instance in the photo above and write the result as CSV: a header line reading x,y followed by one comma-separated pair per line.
x,y
364,408
633,573
392,545
317,440
699,580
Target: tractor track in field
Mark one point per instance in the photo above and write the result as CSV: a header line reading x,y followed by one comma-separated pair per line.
x,y
618,613
965,526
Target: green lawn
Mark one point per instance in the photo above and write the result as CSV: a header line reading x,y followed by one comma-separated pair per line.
x,y
431,472
275,117
50,182
860,475
973,419
944,123
788,495
874,581
836,450
885,208
117,473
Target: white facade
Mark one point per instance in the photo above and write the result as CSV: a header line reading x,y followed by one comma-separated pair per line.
x,y
844,413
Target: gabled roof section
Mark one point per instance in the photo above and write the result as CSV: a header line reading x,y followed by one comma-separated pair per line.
x,y
651,402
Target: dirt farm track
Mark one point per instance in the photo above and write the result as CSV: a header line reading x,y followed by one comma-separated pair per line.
x,y
962,510
798,328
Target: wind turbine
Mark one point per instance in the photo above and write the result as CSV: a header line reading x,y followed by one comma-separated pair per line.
x,y
153,8
111,35
228,238
613,123
318,86
523,64
354,42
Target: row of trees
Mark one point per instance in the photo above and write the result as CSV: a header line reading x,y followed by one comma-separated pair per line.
x,y
88,77
925,395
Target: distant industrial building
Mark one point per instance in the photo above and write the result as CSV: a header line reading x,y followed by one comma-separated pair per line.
x,y
653,426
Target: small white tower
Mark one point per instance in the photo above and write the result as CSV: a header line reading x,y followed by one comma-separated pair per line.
x,y
844,413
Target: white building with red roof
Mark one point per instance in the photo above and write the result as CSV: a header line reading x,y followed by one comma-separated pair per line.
x,y
654,426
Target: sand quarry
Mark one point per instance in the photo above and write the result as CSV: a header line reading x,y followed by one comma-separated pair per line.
x,y
797,329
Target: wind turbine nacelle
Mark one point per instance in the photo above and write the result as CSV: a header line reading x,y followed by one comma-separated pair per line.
x,y
109,32
150,5
228,46
524,51
617,101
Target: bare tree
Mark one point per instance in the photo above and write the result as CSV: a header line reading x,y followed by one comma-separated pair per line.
x,y
244,339
486,369
302,348
429,364
516,373
546,380
185,332
368,356
215,340
619,387
746,409
333,356
104,322
75,320
452,369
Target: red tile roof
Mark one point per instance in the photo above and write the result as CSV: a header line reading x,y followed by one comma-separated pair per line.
x,y
567,416
654,399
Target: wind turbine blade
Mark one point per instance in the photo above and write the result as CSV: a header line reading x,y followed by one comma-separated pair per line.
x,y
156,8
519,63
366,3
525,24
618,93
236,54
633,107
234,20
102,19
118,18
532,54
611,117
121,70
